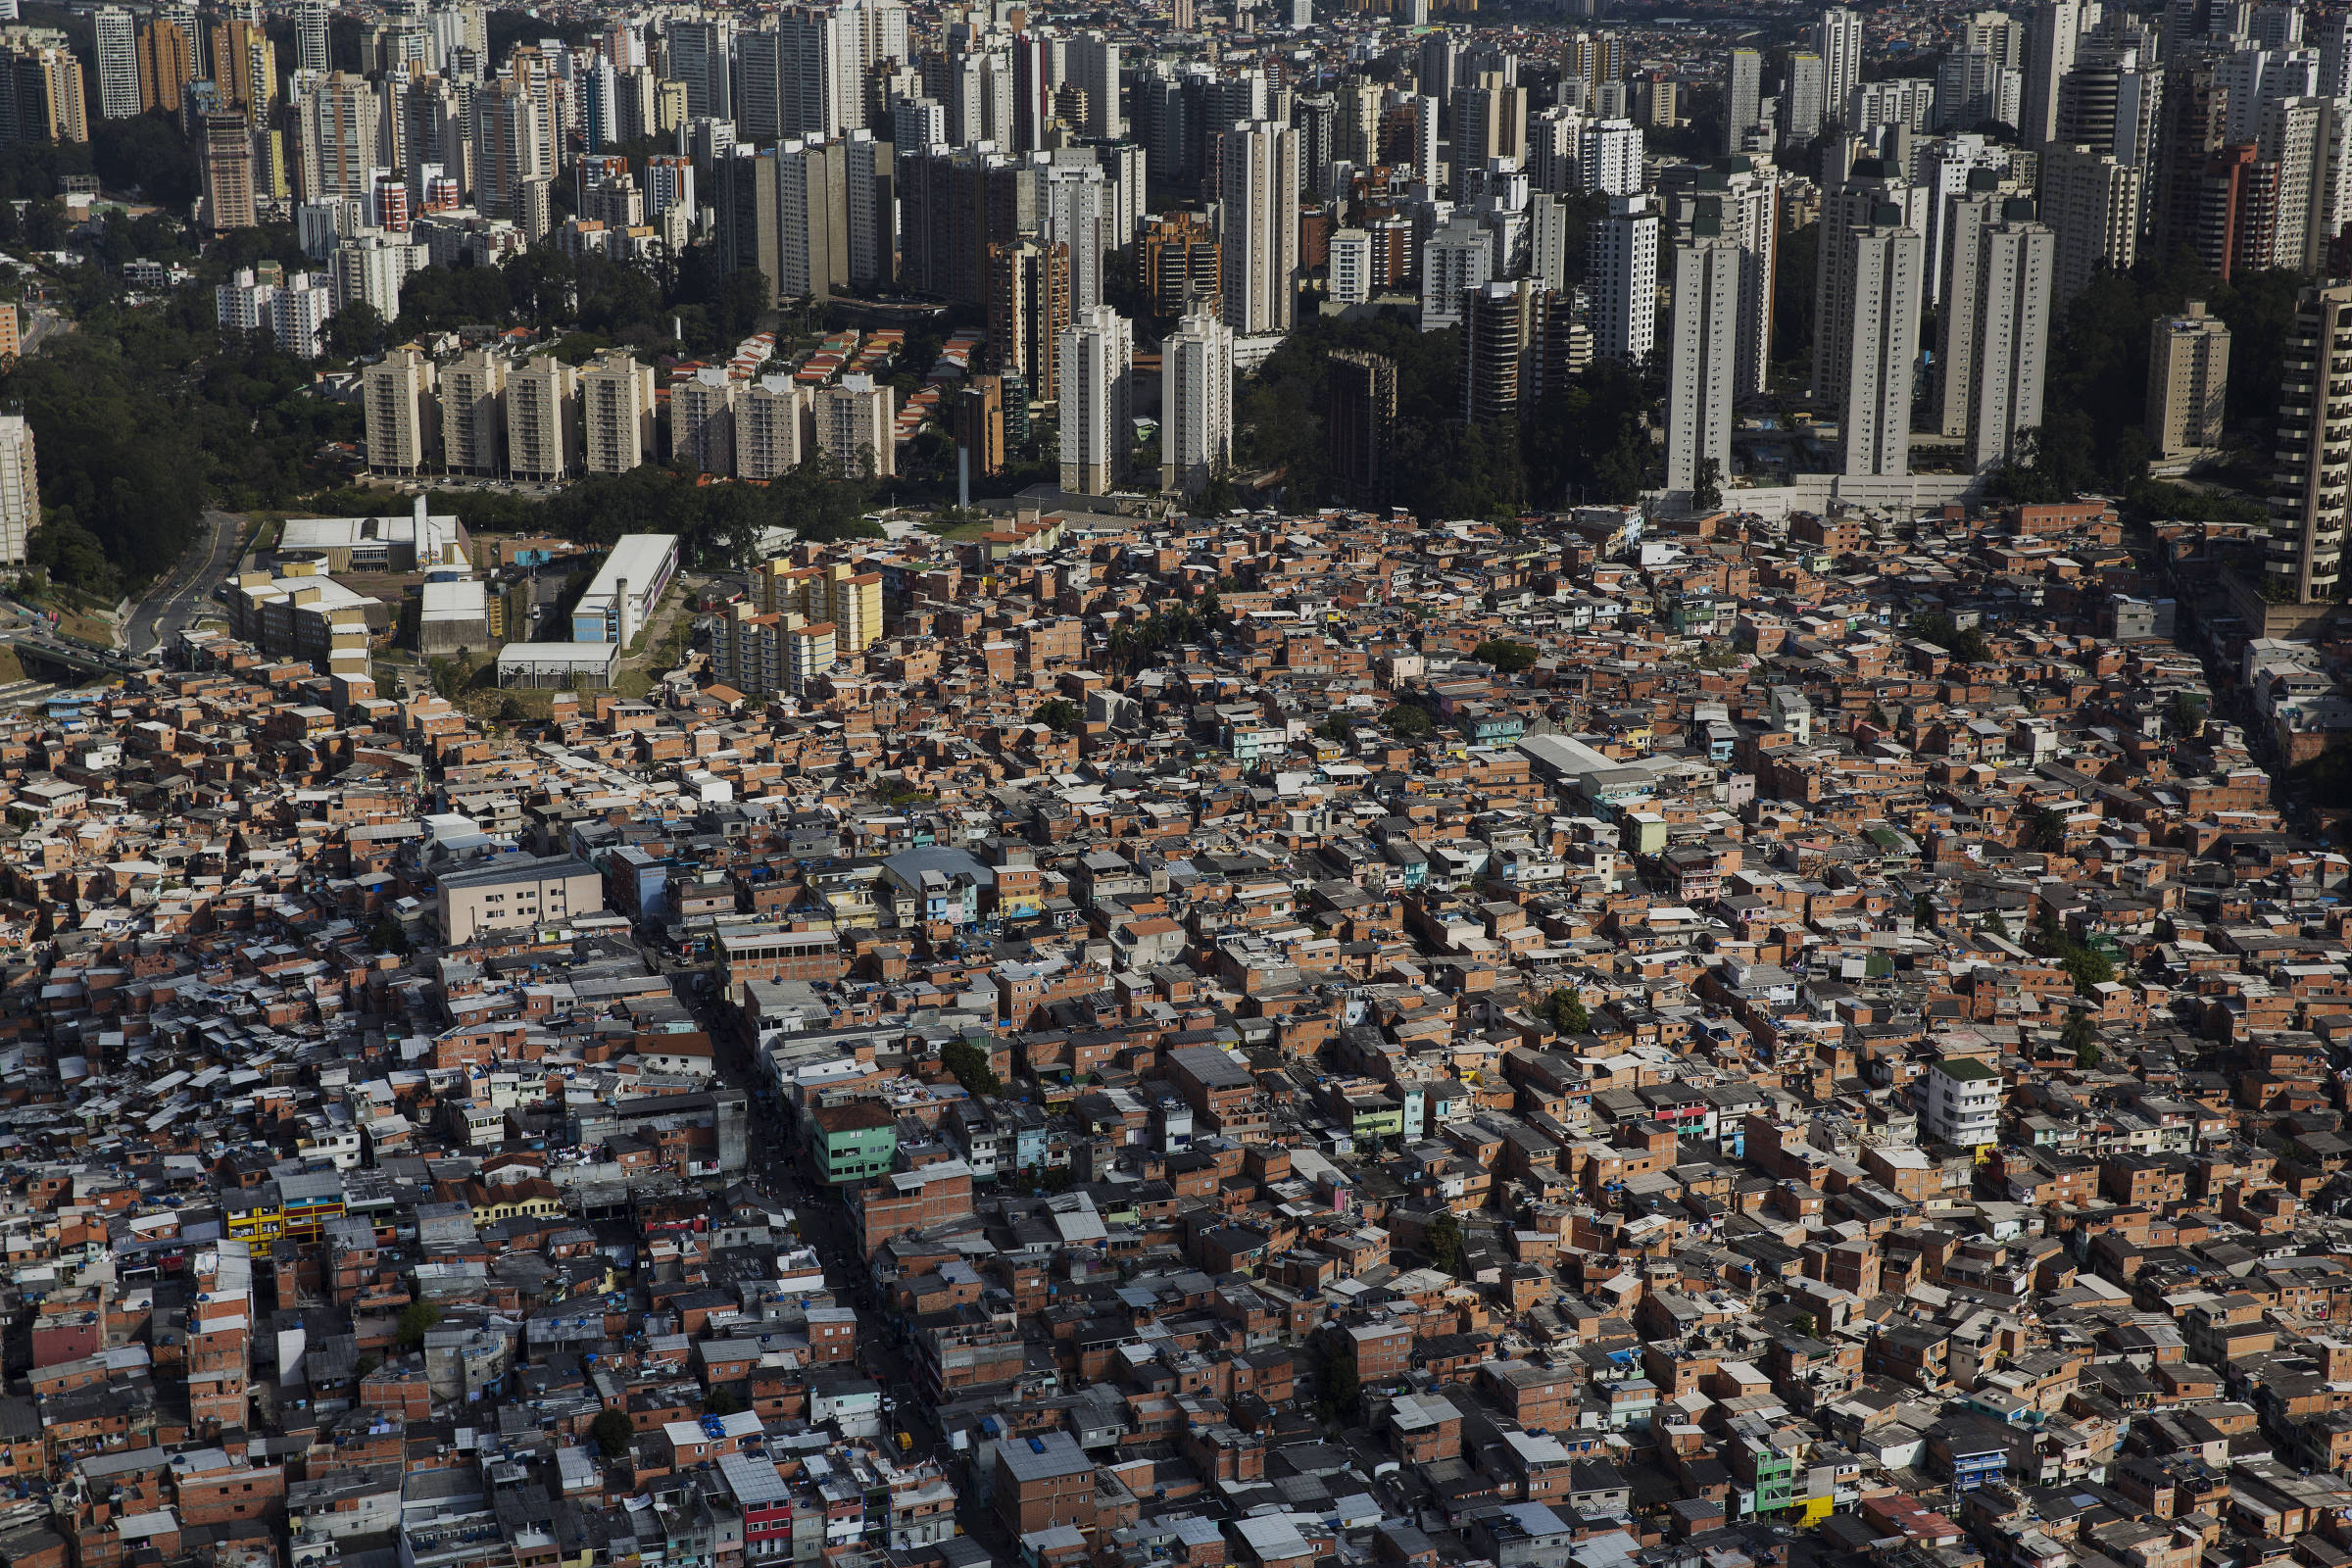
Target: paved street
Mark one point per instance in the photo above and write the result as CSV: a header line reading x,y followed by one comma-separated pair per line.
x,y
180,596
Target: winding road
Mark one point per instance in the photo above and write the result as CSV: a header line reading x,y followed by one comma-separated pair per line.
x,y
179,598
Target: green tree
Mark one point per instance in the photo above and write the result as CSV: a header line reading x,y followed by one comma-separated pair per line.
x,y
1338,1388
722,1402
389,936
612,1432
356,331
416,1319
2081,1038
1337,728
1442,1236
1564,1011
1059,714
2187,710
2046,829
1510,658
1707,495
1923,911
1408,721
970,1064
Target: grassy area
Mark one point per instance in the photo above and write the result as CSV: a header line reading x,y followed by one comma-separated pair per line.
x,y
949,529
10,670
85,628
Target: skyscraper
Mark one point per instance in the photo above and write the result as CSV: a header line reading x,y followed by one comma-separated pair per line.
x,y
812,219
698,59
2188,381
1707,282
2311,504
1257,218
117,47
2092,203
1621,276
1195,403
1507,332
2052,37
338,116
310,37
1093,64
1854,204
1881,333
1096,353
1746,99
227,173
1804,99
1837,39
1966,216
167,62
1028,310
2012,320
1608,158
1359,424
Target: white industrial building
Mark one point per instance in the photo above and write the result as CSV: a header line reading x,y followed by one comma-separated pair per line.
x,y
626,590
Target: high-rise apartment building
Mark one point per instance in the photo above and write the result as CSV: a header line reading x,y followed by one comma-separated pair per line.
x,y
1351,267
403,414
228,171
1195,403
115,46
167,62
2188,381
699,54
1489,122
2092,203
1620,278
855,421
2012,277
473,414
543,419
1885,267
1360,426
1709,273
617,412
1509,330
1853,204
1804,99
338,117
1744,98
1257,215
46,87
311,20
771,438
1093,64
1837,39
2311,500
1608,158
1096,355
1028,307
20,489
2053,34
812,216
702,421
